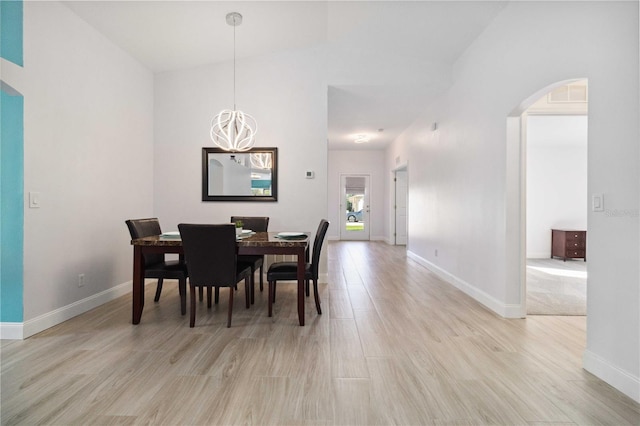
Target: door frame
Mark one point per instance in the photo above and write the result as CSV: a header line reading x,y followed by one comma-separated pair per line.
x,y
516,200
395,209
366,235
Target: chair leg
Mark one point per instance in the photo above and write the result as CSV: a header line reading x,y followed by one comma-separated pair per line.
x,y
192,319
158,290
248,293
272,292
261,273
182,288
209,297
201,291
253,287
217,295
316,296
306,287
230,306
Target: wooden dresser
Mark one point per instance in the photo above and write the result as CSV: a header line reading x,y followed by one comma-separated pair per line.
x,y
568,244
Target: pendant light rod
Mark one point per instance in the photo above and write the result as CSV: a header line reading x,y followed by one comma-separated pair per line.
x,y
233,130
234,66
234,19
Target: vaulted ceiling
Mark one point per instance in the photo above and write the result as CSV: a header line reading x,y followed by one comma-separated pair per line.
x,y
387,59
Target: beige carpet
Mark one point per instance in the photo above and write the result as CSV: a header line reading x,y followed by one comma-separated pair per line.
x,y
555,287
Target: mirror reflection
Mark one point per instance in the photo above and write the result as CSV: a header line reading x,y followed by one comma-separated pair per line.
x,y
239,176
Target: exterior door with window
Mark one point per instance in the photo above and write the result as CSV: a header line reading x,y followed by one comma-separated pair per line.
x,y
354,207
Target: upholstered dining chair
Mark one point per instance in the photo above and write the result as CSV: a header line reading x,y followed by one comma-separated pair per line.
x,y
257,224
281,271
155,265
210,255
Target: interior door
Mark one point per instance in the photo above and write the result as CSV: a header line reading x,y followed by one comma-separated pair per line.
x,y
354,207
401,207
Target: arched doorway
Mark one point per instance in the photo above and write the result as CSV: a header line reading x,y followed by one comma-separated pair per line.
x,y
535,206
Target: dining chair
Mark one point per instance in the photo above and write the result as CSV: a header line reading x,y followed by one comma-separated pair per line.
x,y
210,255
281,271
155,265
257,224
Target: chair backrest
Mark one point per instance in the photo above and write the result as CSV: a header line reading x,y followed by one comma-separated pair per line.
x,y
255,223
210,254
317,246
139,228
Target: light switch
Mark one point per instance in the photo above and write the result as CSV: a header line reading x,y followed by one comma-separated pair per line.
x,y
597,202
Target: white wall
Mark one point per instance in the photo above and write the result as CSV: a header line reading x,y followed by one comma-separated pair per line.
x,y
236,178
88,143
462,204
287,94
357,162
556,178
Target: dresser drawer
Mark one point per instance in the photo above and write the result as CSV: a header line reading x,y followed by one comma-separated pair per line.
x,y
576,236
575,244
574,253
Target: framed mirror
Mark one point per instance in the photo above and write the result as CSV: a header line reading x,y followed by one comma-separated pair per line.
x,y
240,176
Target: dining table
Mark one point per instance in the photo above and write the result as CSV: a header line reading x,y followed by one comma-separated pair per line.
x,y
258,243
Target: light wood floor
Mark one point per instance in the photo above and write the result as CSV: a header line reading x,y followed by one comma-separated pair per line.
x,y
395,345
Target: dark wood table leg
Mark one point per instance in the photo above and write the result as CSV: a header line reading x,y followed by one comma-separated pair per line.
x,y
138,284
301,268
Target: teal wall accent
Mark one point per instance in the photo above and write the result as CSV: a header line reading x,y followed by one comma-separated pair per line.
x,y
11,207
11,170
11,31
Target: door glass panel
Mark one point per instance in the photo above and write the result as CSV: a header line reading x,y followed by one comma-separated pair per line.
x,y
355,209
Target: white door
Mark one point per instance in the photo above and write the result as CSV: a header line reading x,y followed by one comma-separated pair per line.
x,y
354,207
401,207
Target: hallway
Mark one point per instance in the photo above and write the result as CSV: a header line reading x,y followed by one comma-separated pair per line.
x,y
395,345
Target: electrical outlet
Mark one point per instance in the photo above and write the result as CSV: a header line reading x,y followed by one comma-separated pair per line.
x,y
81,280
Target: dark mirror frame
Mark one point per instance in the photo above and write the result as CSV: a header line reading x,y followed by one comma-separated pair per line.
x,y
231,197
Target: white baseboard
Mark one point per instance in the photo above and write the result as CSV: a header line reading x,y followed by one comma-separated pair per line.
x,y
22,330
11,330
504,310
620,379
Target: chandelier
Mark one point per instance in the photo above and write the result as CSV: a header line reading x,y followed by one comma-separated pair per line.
x,y
261,160
233,130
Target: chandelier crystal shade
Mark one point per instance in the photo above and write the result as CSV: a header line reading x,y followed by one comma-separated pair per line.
x,y
233,130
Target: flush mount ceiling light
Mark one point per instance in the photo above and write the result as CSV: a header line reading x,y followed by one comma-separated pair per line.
x,y
233,130
362,139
